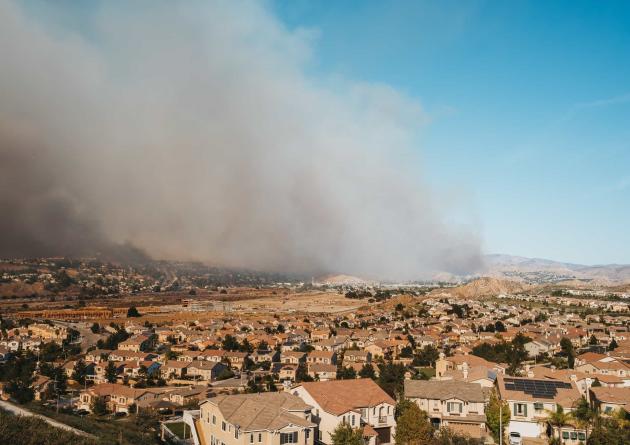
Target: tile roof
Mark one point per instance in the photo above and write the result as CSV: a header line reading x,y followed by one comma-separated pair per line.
x,y
617,396
564,396
340,396
270,411
444,390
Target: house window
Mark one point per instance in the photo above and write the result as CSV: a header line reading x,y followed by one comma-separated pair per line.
x,y
319,435
259,437
565,435
520,409
538,406
214,420
307,433
235,433
223,426
582,436
251,438
574,435
352,420
288,437
454,407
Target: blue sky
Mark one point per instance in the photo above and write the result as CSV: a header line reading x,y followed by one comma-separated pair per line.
x,y
529,106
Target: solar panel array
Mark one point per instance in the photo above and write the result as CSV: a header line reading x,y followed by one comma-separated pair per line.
x,y
544,389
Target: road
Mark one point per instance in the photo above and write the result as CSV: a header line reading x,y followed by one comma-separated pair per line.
x,y
24,412
88,338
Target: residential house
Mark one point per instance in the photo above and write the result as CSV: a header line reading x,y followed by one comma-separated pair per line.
x,y
457,405
530,402
255,419
322,357
321,371
359,403
609,400
205,370
174,369
137,343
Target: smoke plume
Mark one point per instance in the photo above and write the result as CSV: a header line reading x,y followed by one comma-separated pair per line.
x,y
192,130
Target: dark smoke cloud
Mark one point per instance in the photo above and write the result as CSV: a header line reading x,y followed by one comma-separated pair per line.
x,y
190,130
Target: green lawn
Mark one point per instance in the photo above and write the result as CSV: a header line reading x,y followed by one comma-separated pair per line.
x,y
180,429
428,372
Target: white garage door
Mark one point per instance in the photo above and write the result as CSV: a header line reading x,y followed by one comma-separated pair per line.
x,y
527,429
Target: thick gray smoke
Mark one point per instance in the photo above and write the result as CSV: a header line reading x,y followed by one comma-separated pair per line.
x,y
192,131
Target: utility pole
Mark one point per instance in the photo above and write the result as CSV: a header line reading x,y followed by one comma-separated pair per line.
x,y
500,423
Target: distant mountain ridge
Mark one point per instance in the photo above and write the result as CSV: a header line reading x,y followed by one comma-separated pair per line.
x,y
538,270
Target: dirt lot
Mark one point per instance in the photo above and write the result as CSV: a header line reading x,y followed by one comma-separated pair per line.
x,y
326,302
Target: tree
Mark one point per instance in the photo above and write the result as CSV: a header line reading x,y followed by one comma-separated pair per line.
x,y
230,343
367,372
391,378
401,406
95,328
301,374
98,406
132,312
607,431
613,345
344,434
427,356
80,372
246,346
346,373
497,415
18,390
413,427
567,349
593,340
111,372
446,436
61,379
583,413
114,339
557,419
515,354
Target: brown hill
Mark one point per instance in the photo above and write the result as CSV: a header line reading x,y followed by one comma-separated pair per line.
x,y
341,280
486,287
21,289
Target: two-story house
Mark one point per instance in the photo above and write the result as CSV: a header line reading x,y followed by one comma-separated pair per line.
x,y
457,405
256,419
531,400
359,403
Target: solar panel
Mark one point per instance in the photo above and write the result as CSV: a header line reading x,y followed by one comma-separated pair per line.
x,y
545,389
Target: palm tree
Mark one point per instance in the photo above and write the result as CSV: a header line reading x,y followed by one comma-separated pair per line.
x,y
557,419
583,414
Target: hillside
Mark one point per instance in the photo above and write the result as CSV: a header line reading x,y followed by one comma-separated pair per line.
x,y
341,280
484,287
537,270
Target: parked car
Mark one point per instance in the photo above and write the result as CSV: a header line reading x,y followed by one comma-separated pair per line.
x,y
515,438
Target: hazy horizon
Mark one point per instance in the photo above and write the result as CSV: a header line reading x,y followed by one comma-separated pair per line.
x,y
364,138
